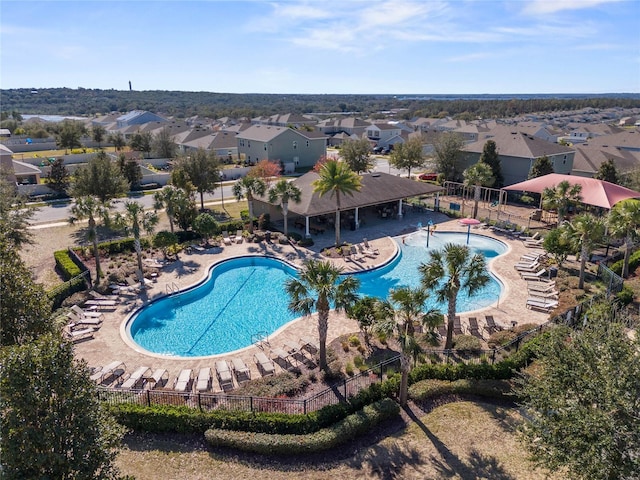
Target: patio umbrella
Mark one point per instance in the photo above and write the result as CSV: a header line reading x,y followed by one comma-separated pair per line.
x,y
468,222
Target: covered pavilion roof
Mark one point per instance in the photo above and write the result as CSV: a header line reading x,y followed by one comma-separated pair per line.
x,y
594,192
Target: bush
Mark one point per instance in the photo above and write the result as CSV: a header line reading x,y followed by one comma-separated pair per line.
x,y
354,340
295,236
502,337
351,427
66,265
625,296
426,389
58,294
634,262
305,242
466,343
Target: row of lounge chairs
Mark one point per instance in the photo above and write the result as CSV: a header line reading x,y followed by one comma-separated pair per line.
x,y
229,239
473,327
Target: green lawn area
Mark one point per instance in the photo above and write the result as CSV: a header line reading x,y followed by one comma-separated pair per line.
x,y
44,154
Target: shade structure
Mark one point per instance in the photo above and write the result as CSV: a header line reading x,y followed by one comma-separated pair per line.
x,y
594,192
468,222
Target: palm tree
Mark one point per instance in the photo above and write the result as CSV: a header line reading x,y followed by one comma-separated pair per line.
x,y
583,232
337,178
450,270
317,288
478,175
561,197
282,192
248,187
170,198
133,221
92,209
398,316
624,222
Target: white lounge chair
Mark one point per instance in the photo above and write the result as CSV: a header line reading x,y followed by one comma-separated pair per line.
x,y
282,357
265,365
102,304
541,304
365,251
86,313
243,374
239,236
181,383
223,372
204,380
225,237
527,266
100,296
79,335
533,276
114,369
309,345
369,247
136,379
158,378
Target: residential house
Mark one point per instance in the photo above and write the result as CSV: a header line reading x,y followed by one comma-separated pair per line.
x,y
517,152
384,134
590,157
265,142
138,117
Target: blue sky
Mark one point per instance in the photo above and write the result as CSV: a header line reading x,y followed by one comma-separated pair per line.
x,y
344,46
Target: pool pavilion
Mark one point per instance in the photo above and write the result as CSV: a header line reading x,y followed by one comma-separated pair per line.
x,y
382,196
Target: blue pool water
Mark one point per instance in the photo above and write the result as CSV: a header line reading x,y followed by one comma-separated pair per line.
x,y
244,296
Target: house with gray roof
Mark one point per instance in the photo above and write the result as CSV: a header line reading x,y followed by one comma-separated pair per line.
x,y
287,145
590,157
138,117
517,152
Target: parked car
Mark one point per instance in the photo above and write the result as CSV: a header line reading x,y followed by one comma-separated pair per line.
x,y
377,149
432,177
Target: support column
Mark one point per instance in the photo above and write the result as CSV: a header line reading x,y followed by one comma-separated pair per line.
x,y
357,217
307,234
400,208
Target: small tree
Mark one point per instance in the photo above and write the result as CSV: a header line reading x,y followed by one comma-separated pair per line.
x,y
582,401
98,133
69,135
133,221
541,167
59,177
173,200
283,192
165,241
490,157
478,175
624,222
15,215
608,172
561,198
266,170
118,141
365,312
249,187
199,171
141,142
91,209
101,178
53,423
584,231
163,144
448,148
131,171
205,226
357,154
318,287
557,243
408,155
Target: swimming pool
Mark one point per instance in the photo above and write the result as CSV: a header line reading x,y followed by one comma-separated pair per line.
x,y
244,296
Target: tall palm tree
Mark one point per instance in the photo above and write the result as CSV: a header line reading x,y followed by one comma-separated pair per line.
x,y
92,209
282,192
398,316
133,221
478,175
317,288
624,222
249,186
337,178
170,198
583,232
561,197
449,271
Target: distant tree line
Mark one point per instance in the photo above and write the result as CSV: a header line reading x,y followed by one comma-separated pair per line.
x,y
86,102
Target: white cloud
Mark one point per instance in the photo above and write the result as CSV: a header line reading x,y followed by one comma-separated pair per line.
x,y
544,7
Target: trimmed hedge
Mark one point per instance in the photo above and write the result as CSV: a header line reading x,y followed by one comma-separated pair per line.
x,y
351,427
484,388
66,265
58,294
634,262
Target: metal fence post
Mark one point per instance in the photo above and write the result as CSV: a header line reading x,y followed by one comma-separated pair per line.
x,y
344,382
148,398
251,403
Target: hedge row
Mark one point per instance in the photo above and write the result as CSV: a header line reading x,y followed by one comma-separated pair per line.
x,y
58,294
634,262
66,265
347,429
483,388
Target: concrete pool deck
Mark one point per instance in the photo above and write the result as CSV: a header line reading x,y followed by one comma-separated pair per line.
x,y
108,343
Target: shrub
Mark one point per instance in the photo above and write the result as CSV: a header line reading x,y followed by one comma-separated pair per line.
x,y
354,425
305,242
354,340
467,343
66,265
295,236
501,337
358,361
634,262
484,388
348,368
625,296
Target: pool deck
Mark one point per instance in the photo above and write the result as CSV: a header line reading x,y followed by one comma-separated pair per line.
x,y
109,344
